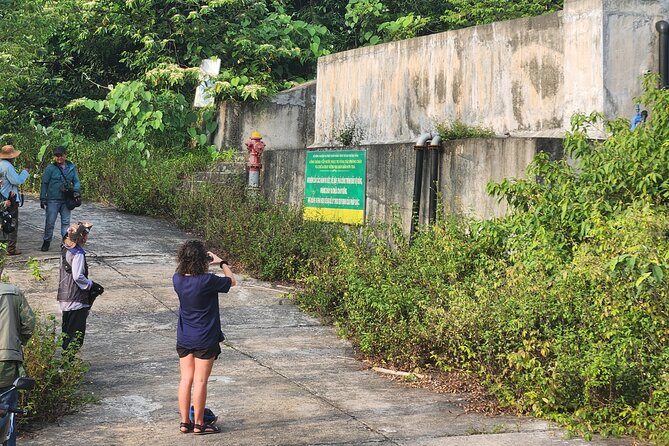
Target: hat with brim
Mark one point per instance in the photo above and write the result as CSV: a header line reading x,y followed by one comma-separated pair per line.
x,y
8,152
75,233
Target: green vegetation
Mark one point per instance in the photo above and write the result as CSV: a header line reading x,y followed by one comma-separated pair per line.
x,y
55,52
33,266
458,130
58,380
560,307
270,241
349,134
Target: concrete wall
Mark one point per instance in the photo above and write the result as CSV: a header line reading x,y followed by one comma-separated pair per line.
x,y
496,76
525,77
608,45
466,167
522,77
285,121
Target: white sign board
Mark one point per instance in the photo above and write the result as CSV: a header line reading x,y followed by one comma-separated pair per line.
x,y
204,94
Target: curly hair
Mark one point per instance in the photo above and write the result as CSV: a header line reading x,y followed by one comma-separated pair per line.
x,y
192,258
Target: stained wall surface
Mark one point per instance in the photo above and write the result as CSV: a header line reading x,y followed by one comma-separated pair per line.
x,y
465,166
285,121
524,79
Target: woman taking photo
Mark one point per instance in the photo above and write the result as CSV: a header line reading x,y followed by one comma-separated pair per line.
x,y
199,328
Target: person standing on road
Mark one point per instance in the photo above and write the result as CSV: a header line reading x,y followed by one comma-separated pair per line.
x,y
58,176
17,322
76,292
199,329
10,191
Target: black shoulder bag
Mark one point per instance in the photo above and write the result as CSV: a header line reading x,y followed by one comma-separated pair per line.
x,y
72,198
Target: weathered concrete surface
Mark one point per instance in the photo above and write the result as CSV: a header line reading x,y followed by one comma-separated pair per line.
x,y
525,76
283,378
465,168
285,120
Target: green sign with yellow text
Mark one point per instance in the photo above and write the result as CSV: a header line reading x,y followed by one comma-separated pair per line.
x,y
334,187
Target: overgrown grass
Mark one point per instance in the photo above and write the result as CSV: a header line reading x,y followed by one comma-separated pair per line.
x,y
458,130
269,240
562,307
585,345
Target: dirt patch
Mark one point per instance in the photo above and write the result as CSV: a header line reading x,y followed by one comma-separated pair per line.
x,y
475,397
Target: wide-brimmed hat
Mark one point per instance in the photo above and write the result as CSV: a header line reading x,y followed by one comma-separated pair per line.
x,y
8,152
75,233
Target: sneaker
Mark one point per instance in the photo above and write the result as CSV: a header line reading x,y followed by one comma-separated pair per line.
x,y
16,252
45,245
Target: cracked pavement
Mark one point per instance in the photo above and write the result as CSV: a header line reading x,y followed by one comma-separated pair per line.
x,y
282,379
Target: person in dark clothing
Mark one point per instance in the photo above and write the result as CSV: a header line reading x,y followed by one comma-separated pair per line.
x,y
76,292
198,329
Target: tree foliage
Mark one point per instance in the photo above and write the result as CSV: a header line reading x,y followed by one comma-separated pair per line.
x,y
24,29
52,52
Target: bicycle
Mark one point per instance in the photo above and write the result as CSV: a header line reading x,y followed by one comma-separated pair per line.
x,y
8,411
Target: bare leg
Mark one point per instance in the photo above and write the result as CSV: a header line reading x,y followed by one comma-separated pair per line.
x,y
201,376
187,369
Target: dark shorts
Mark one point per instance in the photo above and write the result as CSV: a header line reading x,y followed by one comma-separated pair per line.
x,y
207,353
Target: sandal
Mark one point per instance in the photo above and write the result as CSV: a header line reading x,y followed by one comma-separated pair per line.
x,y
185,428
206,429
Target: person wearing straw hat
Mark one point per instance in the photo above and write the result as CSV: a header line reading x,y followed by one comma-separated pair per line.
x,y
76,292
10,191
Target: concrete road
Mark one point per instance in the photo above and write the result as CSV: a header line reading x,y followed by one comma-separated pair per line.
x,y
283,378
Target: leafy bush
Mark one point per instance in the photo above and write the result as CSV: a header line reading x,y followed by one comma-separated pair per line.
x,y
561,307
270,240
58,381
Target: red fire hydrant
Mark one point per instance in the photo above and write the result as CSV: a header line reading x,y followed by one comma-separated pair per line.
x,y
255,146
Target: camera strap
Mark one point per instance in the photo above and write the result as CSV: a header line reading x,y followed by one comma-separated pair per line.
x,y
66,185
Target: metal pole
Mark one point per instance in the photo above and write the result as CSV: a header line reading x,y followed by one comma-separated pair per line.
x,y
663,28
434,182
417,186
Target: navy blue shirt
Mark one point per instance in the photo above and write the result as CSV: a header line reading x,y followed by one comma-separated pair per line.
x,y
199,317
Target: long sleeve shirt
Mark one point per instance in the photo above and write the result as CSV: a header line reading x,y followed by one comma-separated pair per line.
x,y
53,183
11,179
17,322
73,285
